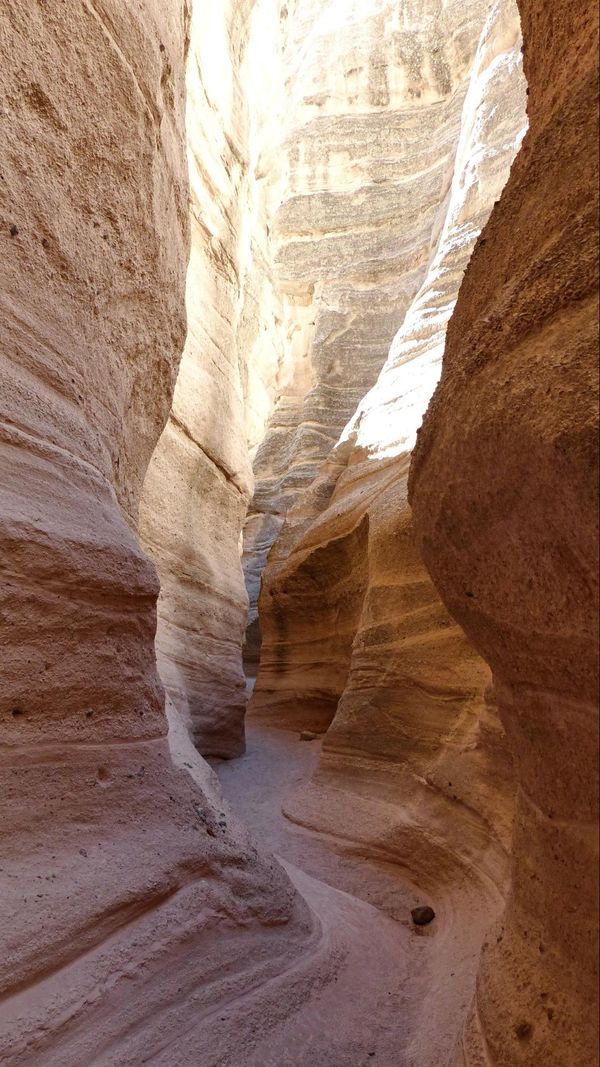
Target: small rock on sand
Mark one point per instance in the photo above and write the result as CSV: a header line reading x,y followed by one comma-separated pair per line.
x,y
422,916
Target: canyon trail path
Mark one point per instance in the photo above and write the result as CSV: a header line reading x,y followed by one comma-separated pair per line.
x,y
364,995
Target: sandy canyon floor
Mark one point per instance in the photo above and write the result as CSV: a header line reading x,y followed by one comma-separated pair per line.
x,y
376,989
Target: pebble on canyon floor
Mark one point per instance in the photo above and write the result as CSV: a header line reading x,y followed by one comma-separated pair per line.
x,y
307,735
422,916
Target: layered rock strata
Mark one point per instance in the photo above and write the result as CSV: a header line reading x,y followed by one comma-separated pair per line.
x,y
119,870
200,481
374,97
504,489
356,640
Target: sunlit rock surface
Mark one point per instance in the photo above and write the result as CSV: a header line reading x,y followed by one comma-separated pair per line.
x,y
120,871
200,481
374,97
139,924
353,629
355,638
504,487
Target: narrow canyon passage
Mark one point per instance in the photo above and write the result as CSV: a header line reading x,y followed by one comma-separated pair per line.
x,y
299,533
341,1018
382,989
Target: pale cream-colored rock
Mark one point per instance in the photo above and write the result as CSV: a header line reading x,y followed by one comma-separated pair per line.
x,y
373,108
355,638
504,488
353,629
135,908
200,480
119,871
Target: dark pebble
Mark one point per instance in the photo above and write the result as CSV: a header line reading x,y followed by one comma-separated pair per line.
x,y
422,916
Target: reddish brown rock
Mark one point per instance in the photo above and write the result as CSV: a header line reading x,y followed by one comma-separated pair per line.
x,y
134,905
504,490
118,874
356,639
199,482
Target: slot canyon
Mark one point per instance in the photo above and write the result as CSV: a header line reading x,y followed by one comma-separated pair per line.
x,y
298,529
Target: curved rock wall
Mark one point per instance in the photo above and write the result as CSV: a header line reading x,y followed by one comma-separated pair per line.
x,y
134,905
374,97
512,544
413,748
119,871
200,480
409,700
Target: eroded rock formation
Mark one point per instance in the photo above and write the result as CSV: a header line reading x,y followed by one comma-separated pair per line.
x,y
504,487
119,870
200,480
139,922
374,97
356,640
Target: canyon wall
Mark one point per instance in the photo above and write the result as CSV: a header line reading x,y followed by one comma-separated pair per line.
x,y
374,95
200,480
139,923
355,638
415,774
504,489
120,870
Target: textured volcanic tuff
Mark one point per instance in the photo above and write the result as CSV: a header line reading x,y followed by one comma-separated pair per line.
x,y
119,872
355,638
504,487
336,192
200,480
375,94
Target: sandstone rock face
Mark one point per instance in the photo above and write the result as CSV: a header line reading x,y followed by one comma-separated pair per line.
x,y
200,480
119,871
135,908
504,489
415,770
356,640
374,97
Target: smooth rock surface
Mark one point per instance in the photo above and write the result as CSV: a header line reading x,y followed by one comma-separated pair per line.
x,y
356,639
200,481
374,97
139,922
419,978
133,903
504,488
